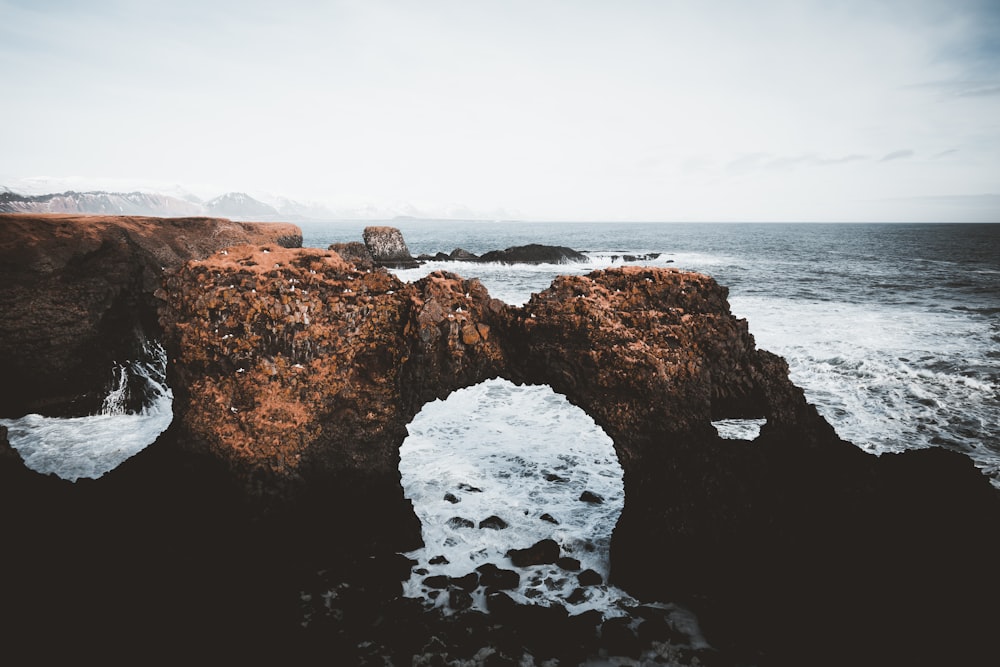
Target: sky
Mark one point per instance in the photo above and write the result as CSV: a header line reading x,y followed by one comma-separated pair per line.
x,y
710,110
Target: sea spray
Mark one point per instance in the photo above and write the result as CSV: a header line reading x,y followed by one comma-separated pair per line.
x,y
89,446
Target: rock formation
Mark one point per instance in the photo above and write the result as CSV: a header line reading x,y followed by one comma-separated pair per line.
x,y
387,248
295,373
74,289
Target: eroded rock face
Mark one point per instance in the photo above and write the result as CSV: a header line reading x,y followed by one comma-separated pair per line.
x,y
74,289
765,539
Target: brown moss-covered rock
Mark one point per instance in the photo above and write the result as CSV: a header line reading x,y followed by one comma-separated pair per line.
x,y
74,289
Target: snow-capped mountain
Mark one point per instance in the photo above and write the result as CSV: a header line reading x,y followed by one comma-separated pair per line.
x,y
99,203
233,205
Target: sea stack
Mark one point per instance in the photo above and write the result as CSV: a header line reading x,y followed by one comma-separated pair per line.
x,y
388,248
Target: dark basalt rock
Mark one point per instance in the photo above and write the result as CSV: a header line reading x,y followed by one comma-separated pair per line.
x,y
541,552
496,579
567,563
493,522
534,253
590,578
461,522
591,497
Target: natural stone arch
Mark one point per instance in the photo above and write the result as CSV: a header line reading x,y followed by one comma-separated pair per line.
x,y
299,372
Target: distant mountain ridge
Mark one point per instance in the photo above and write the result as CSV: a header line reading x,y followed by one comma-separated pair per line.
x,y
233,205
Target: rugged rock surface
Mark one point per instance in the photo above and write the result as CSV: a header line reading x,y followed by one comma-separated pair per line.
x,y
296,372
533,253
757,536
74,290
387,248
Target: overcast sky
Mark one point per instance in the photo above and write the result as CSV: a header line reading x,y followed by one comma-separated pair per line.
x,y
582,110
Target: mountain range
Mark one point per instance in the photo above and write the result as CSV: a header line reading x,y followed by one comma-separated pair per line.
x,y
233,205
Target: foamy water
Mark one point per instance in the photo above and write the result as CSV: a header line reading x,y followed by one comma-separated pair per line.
x,y
519,453
92,445
525,455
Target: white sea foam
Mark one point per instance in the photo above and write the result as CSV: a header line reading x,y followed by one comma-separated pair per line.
x,y
517,453
739,429
887,379
90,446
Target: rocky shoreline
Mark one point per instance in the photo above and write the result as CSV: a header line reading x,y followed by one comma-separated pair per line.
x,y
295,372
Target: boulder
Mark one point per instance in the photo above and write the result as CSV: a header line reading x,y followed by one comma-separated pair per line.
x,y
387,247
541,552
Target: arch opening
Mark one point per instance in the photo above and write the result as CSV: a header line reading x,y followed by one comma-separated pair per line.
x,y
498,467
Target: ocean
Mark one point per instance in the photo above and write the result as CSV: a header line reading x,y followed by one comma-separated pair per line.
x,y
892,331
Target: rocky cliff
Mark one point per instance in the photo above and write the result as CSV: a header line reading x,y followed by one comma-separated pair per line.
x,y
295,373
74,290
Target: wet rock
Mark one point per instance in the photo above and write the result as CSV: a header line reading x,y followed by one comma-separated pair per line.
x,y
437,581
534,253
549,518
459,599
591,497
467,583
438,560
468,487
459,254
493,522
590,578
541,552
497,579
567,563
452,498
578,596
460,522
552,477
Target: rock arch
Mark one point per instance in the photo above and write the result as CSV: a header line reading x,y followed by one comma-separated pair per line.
x,y
295,373
299,372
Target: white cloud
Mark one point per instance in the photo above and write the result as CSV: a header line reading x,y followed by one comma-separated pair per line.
x,y
585,110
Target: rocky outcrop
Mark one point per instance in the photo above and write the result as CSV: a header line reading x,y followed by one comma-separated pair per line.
x,y
75,289
534,253
757,536
387,247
